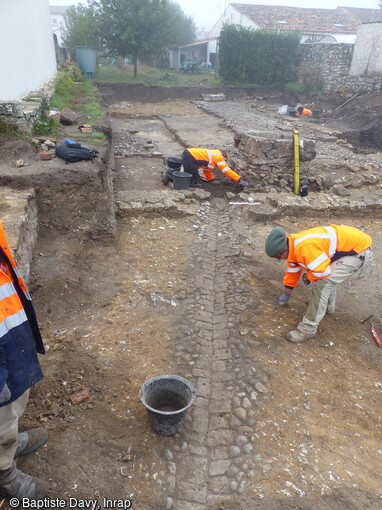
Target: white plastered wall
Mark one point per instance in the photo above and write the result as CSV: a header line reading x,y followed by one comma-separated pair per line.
x,y
27,55
233,17
367,56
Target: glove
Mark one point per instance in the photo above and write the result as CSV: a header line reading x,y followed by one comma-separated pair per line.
x,y
243,183
284,298
305,280
5,394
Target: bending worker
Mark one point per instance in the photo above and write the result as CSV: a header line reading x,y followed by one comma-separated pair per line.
x,y
207,160
301,110
20,340
327,256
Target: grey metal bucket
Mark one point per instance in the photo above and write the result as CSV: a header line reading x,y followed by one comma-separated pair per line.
x,y
167,399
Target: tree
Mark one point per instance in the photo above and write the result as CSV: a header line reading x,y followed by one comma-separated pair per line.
x,y
136,28
80,29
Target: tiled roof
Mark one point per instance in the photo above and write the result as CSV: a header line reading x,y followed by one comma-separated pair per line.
x,y
58,10
342,20
365,15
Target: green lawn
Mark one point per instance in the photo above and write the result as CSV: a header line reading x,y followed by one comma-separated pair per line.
x,y
154,76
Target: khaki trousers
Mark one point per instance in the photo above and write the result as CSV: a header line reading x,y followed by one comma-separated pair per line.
x,y
9,420
324,291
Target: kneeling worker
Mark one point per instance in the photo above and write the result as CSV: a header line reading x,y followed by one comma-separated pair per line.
x,y
207,160
329,255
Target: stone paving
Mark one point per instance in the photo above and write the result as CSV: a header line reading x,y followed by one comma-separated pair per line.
x,y
212,457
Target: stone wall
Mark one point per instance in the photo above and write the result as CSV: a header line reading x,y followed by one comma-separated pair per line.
x,y
21,115
267,157
266,160
334,61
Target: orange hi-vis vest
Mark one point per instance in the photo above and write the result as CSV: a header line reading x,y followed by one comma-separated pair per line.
x,y
207,159
305,111
16,309
20,337
313,249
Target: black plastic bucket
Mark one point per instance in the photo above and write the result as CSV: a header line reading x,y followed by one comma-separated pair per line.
x,y
174,162
182,180
167,399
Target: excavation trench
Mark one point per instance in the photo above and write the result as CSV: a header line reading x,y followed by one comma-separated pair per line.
x,y
180,285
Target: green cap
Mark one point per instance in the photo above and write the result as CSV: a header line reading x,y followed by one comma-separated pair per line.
x,y
276,242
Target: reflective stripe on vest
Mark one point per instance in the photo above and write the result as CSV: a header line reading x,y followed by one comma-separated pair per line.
x,y
331,235
12,321
11,308
295,269
210,155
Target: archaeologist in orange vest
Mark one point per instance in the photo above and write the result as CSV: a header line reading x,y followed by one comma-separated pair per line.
x,y
324,256
206,160
20,340
304,111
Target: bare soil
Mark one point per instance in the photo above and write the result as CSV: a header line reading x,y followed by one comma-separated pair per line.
x,y
115,311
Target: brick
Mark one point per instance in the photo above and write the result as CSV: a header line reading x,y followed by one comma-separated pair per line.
x,y
203,386
219,406
192,492
188,505
199,420
217,422
220,453
220,438
219,366
222,354
219,467
218,484
45,156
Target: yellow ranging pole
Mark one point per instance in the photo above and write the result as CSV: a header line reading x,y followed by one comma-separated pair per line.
x,y
296,146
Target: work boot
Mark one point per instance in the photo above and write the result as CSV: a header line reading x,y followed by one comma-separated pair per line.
x,y
16,484
30,440
195,185
297,337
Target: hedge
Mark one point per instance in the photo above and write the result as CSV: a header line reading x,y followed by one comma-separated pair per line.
x,y
257,56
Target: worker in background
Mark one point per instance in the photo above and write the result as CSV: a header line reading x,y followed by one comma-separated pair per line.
x,y
20,340
304,111
324,256
206,160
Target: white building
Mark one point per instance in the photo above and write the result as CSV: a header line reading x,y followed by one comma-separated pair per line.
x,y
27,55
337,25
57,14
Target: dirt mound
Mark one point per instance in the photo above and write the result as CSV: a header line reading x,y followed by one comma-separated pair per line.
x,y
15,148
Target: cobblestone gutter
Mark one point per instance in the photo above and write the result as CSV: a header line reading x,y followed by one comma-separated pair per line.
x,y
211,459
